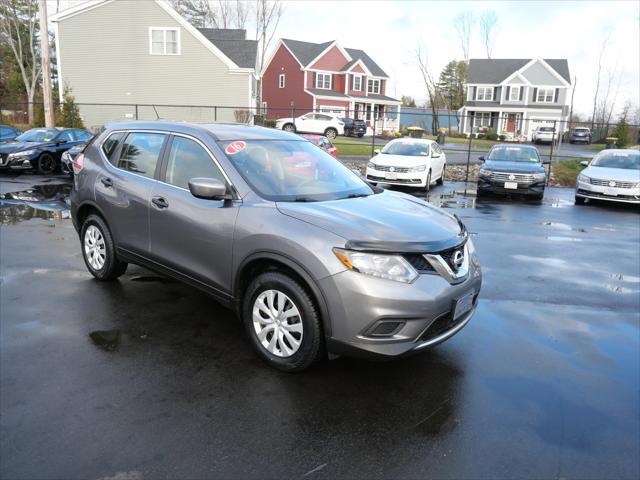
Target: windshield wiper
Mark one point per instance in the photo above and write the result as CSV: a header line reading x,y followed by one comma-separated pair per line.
x,y
357,195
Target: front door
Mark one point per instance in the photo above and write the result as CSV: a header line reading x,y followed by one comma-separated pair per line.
x,y
511,123
124,192
188,234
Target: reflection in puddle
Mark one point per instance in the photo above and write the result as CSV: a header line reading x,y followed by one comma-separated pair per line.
x,y
453,199
625,278
564,226
564,239
49,201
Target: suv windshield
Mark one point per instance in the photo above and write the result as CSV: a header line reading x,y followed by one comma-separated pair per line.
x,y
293,171
513,154
39,135
581,130
410,149
627,160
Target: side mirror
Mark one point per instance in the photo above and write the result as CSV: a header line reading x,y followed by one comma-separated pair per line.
x,y
546,162
208,188
62,140
376,151
585,163
482,159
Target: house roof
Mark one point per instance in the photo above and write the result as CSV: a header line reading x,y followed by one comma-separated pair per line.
x,y
233,44
306,52
380,97
495,70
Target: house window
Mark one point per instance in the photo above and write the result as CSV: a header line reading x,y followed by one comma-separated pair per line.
x,y
281,81
484,94
373,86
514,94
482,119
357,83
323,80
164,41
545,95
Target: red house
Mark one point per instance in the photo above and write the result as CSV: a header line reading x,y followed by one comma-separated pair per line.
x,y
327,77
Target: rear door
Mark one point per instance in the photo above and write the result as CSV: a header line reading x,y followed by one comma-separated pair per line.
x,y
123,189
192,235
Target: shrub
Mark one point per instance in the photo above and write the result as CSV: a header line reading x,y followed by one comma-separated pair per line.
x,y
69,116
491,135
622,130
502,137
242,116
267,122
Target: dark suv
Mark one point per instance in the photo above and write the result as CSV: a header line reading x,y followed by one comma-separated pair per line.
x,y
310,256
353,127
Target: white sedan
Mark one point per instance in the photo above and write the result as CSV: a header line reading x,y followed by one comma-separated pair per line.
x,y
612,175
408,161
319,123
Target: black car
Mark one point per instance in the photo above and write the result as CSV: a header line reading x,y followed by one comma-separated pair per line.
x,y
8,133
66,163
512,169
40,148
353,127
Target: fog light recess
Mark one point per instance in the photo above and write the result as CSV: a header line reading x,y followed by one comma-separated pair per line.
x,y
385,328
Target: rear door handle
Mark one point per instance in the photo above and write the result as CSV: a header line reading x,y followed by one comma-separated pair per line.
x,y
107,182
160,202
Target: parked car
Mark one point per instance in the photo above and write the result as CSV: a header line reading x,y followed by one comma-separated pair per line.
x,y
544,134
66,161
408,161
40,148
323,142
8,133
612,175
354,127
512,169
580,134
312,260
322,123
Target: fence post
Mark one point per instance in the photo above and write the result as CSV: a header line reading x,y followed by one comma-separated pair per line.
x,y
466,178
136,111
373,134
215,113
293,115
553,140
1,121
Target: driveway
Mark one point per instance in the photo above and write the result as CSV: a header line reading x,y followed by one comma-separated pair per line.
x,y
148,378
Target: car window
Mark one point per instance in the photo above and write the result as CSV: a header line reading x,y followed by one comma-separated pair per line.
x,y
82,135
546,129
187,160
293,171
37,135
406,148
110,144
625,160
140,153
324,117
67,135
5,131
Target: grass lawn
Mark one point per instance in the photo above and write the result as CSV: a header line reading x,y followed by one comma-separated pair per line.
x,y
598,147
362,146
565,172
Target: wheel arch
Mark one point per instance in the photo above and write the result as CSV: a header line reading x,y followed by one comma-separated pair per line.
x,y
84,210
261,262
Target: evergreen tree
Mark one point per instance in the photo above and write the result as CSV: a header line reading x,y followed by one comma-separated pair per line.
x,y
622,132
451,84
69,116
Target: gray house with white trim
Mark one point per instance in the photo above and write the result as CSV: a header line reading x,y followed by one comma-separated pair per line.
x,y
119,53
515,96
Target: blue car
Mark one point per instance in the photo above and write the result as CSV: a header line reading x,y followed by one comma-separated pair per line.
x,y
40,149
510,169
8,133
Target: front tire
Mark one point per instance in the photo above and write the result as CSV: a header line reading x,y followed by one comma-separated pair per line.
x,y
289,127
440,181
331,133
46,164
360,135
98,250
427,186
579,201
282,322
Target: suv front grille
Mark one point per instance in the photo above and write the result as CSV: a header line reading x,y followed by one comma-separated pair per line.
x,y
517,177
605,183
418,262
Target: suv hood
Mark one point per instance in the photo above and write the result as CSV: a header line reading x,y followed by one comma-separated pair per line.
x,y
513,167
12,147
386,222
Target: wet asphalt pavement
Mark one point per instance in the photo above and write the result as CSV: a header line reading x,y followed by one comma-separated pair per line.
x,y
148,378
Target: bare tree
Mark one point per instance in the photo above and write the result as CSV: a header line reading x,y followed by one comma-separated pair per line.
x,y
19,30
421,60
603,49
488,26
268,15
463,24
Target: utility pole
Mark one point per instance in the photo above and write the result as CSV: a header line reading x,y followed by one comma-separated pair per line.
x,y
573,92
49,119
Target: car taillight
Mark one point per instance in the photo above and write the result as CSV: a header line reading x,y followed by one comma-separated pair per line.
x,y
341,123
78,163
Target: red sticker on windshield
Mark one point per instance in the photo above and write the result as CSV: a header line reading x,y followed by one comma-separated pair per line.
x,y
235,147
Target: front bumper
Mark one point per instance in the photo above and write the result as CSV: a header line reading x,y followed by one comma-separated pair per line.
x,y
357,303
486,185
412,179
612,194
17,163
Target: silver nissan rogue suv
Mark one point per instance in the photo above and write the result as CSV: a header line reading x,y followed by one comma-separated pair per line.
x,y
311,257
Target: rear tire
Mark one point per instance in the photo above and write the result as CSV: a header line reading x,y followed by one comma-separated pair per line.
x,y
98,250
298,341
46,164
360,135
331,133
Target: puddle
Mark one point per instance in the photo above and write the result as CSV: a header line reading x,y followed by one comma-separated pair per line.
x,y
454,199
564,239
563,226
48,202
106,339
625,278
617,288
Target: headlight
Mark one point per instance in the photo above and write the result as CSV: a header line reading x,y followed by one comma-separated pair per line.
x,y
484,173
23,153
391,267
584,178
539,176
419,168
371,165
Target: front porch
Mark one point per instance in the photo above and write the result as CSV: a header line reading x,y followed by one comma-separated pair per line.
x,y
386,116
512,125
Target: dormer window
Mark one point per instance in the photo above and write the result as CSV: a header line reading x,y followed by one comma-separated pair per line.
x,y
514,94
484,94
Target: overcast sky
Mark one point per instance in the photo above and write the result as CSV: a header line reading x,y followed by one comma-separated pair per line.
x,y
390,31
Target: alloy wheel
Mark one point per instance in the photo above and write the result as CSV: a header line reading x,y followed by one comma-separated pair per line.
x,y
94,247
277,323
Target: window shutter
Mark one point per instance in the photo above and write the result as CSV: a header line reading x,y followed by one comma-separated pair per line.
x,y
475,93
493,94
352,79
535,95
555,100
331,82
508,93
521,92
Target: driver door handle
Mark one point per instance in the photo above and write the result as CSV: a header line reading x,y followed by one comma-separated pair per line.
x,y
107,182
160,202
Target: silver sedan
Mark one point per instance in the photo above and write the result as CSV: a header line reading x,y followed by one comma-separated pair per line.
x,y
612,175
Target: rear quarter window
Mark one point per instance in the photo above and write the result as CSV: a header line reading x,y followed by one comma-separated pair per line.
x,y
109,146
